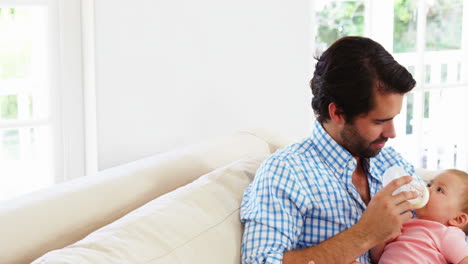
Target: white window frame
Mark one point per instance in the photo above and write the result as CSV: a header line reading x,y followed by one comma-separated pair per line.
x,y
423,58
71,84
89,86
66,86
376,17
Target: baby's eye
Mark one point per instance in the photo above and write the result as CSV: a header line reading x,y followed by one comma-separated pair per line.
x,y
428,185
439,189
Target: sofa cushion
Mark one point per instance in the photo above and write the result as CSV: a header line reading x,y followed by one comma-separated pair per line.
x,y
197,223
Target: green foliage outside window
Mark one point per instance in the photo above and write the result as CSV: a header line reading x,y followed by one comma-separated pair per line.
x,y
339,19
9,144
444,25
345,18
15,50
7,11
8,107
404,25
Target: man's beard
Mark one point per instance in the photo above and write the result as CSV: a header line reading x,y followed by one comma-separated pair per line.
x,y
358,145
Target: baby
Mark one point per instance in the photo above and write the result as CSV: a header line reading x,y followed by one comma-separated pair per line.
x,y
438,233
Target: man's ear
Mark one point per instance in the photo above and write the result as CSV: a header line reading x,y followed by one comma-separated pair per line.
x,y
336,114
461,220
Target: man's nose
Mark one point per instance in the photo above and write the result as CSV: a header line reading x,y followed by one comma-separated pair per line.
x,y
389,130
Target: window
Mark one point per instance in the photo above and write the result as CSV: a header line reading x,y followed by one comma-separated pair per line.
x,y
430,38
35,101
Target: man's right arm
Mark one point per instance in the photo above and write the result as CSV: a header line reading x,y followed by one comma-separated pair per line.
x,y
272,220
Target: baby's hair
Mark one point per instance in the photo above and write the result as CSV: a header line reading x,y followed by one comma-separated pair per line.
x,y
464,176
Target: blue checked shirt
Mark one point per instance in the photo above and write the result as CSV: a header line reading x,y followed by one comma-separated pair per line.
x,y
303,195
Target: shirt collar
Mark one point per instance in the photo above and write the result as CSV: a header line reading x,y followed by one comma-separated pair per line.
x,y
378,165
334,155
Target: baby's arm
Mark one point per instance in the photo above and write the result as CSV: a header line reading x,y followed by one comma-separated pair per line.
x,y
464,261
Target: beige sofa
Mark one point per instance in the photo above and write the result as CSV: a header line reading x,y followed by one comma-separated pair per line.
x,y
177,207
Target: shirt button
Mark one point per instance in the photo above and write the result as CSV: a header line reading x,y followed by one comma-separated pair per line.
x,y
339,171
351,163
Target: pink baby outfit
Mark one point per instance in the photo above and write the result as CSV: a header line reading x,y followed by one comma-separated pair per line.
x,y
423,241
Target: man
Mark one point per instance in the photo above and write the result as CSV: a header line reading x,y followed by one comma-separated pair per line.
x,y
312,200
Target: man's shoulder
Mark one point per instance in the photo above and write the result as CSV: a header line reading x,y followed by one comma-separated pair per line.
x,y
299,155
293,151
290,160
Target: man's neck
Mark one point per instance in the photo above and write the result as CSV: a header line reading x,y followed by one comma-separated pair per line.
x,y
334,133
359,177
361,182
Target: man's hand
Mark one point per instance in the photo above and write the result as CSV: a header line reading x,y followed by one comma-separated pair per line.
x,y
464,261
385,214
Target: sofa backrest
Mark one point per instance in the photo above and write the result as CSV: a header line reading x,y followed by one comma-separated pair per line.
x,y
65,213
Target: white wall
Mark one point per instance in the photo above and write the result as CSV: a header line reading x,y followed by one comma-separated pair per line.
x,y
173,72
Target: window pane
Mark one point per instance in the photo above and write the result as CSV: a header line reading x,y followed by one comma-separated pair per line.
x,y
9,145
444,24
8,107
438,144
404,23
430,108
443,73
427,102
446,145
26,158
336,19
427,73
409,114
16,44
23,63
25,149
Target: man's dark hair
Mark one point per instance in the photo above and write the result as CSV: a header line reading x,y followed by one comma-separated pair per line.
x,y
347,74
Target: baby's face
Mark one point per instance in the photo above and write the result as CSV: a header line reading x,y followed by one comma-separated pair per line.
x,y
446,191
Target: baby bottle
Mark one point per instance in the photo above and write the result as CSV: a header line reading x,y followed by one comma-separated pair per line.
x,y
417,185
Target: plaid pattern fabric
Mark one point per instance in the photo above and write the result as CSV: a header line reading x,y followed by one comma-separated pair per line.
x,y
303,194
